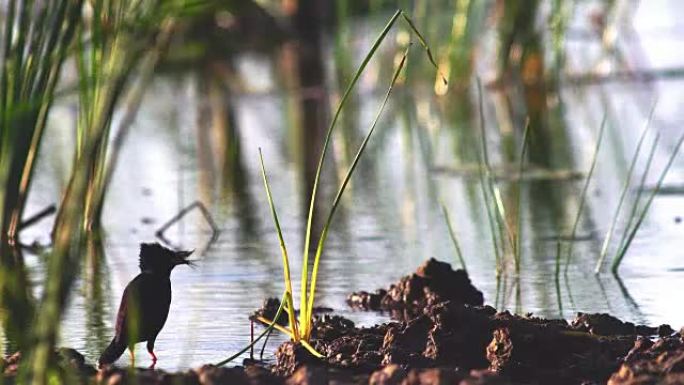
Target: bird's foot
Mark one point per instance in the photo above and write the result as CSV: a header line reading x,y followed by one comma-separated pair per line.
x,y
154,360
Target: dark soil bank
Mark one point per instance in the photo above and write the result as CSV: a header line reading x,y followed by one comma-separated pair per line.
x,y
444,335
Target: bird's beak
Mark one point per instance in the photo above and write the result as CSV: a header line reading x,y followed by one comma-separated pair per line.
x,y
181,257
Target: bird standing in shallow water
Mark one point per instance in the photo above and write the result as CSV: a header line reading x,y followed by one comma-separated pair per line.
x,y
145,302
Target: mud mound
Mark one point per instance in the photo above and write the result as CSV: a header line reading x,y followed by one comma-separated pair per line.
x,y
454,336
432,283
607,325
648,362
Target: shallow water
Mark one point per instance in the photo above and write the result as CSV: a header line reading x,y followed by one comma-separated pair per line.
x,y
390,220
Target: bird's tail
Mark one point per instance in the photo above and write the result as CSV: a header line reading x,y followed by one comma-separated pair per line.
x,y
112,352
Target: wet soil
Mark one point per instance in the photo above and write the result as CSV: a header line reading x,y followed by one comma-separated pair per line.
x,y
432,283
444,335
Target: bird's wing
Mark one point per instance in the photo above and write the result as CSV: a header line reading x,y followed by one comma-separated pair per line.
x,y
126,307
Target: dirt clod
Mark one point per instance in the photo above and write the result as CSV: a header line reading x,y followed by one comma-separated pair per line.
x,y
309,375
607,325
433,282
660,362
389,375
269,310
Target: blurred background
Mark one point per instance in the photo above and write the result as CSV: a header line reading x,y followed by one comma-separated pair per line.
x,y
205,87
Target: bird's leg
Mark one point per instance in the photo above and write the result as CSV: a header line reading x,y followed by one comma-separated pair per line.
x,y
130,349
150,349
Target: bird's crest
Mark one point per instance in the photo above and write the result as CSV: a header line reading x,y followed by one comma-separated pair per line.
x,y
153,255
157,258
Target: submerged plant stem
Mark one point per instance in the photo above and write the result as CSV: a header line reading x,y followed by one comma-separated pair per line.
x,y
283,252
583,198
270,327
621,253
498,223
642,184
454,239
518,230
623,194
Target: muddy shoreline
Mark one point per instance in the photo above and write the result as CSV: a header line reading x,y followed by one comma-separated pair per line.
x,y
442,333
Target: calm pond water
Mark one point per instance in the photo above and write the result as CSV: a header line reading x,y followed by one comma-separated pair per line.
x,y
390,220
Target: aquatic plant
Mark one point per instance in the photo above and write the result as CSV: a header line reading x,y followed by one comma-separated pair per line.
x,y
630,232
35,44
504,241
111,39
454,239
623,194
300,329
582,201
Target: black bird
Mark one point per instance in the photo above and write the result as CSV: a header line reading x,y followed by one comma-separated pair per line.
x,y
145,302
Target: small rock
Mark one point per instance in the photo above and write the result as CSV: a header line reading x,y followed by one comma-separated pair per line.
x,y
268,311
291,356
309,375
260,375
214,375
116,379
484,377
433,376
389,375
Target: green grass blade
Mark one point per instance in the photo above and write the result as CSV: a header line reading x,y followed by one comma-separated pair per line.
x,y
454,240
499,208
350,172
265,332
518,232
283,248
623,194
311,349
497,244
559,248
621,254
423,43
583,197
309,222
642,184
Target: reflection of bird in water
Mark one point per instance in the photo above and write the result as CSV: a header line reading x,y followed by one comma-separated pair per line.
x,y
145,302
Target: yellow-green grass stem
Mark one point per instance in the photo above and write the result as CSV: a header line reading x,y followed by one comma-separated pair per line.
x,y
271,326
283,251
350,172
303,315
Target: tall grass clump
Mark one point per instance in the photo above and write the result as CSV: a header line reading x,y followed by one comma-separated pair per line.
x,y
34,44
638,210
36,38
118,47
109,41
300,329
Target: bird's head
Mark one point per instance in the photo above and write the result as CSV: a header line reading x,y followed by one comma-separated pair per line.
x,y
156,258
